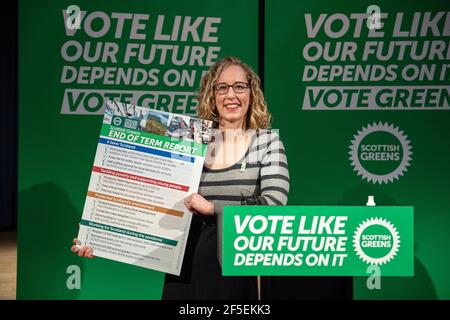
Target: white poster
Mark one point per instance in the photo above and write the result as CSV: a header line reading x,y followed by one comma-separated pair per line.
x,y
146,163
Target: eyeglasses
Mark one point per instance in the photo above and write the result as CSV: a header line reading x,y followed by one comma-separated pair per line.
x,y
238,87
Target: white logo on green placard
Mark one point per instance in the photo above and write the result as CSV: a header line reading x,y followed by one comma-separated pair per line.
x,y
376,241
380,153
117,121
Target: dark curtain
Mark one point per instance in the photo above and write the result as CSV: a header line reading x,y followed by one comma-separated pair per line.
x,y
8,116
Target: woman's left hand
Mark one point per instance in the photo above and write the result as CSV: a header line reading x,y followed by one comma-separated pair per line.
x,y
197,204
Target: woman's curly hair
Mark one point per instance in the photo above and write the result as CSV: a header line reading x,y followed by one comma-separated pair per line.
x,y
258,117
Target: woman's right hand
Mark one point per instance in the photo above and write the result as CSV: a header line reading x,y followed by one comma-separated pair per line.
x,y
84,251
198,204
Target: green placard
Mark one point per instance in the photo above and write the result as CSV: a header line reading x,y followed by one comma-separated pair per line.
x,y
317,241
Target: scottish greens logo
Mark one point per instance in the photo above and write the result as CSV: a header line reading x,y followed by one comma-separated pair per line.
x,y
380,153
117,121
376,241
126,123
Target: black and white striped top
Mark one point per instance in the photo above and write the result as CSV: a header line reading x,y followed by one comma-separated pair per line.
x,y
262,172
265,175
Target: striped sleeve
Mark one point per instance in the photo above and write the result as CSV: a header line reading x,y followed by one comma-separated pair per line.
x,y
274,173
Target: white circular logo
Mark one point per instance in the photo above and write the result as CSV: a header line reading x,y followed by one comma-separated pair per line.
x,y
117,121
376,241
380,153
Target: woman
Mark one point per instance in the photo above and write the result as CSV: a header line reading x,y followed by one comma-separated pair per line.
x,y
245,164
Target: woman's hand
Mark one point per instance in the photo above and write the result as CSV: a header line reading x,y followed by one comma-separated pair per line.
x,y
84,251
197,204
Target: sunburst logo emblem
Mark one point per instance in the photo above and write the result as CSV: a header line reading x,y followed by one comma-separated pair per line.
x,y
376,241
380,153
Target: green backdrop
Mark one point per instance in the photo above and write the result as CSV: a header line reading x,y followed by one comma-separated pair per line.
x,y
57,148
58,132
318,141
